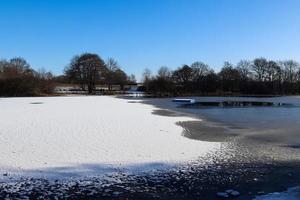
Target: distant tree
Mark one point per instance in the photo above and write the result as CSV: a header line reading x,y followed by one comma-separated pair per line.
x,y
244,68
274,77
230,78
112,66
3,65
17,67
147,76
120,78
60,79
211,83
45,81
164,73
260,76
86,70
246,75
290,70
270,71
259,67
183,77
20,65
199,70
131,79
17,78
228,72
290,76
162,84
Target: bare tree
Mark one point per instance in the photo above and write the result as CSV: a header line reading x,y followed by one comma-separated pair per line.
x,y
200,70
131,79
86,69
112,66
290,68
271,71
244,68
164,72
17,78
20,65
146,78
259,67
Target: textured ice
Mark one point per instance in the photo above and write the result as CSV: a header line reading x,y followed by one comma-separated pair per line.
x,y
89,135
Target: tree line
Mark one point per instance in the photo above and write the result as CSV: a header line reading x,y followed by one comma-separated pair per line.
x,y
89,70
17,78
257,77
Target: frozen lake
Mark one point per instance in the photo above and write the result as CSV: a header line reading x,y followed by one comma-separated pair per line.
x,y
80,140
79,136
261,122
253,136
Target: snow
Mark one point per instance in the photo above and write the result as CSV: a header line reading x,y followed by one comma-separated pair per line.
x,y
290,194
63,136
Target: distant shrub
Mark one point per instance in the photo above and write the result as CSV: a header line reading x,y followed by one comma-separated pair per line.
x,y
17,78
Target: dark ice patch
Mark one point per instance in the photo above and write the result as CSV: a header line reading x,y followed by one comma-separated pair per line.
x,y
36,103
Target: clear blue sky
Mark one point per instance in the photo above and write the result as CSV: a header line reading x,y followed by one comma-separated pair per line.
x,y
149,33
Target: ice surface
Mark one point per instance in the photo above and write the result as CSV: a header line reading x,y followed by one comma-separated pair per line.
x,y
87,135
290,194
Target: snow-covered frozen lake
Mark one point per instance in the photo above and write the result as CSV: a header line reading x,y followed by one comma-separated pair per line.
x,y
79,136
83,138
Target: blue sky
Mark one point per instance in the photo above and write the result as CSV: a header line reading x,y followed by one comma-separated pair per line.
x,y
149,33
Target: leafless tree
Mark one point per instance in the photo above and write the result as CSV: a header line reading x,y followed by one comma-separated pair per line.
x,y
112,66
164,72
291,69
86,69
147,76
244,68
200,70
259,67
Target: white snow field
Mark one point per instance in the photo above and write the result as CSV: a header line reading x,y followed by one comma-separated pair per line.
x,y
57,136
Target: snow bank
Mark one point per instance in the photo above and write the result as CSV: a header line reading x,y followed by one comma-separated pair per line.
x,y
89,135
290,194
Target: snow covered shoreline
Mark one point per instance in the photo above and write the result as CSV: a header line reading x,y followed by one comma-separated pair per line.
x,y
60,137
